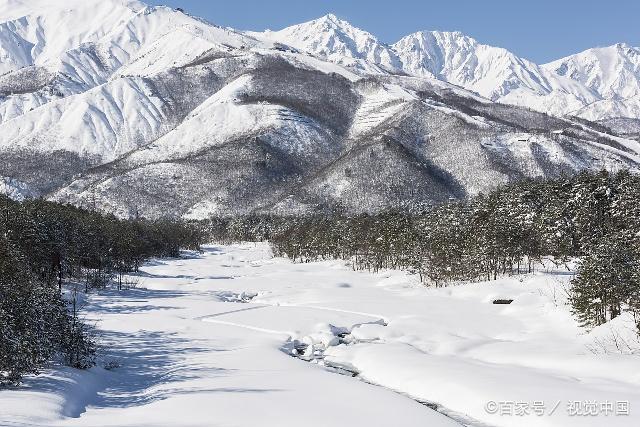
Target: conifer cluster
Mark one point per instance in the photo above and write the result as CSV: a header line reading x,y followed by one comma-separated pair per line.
x,y
44,245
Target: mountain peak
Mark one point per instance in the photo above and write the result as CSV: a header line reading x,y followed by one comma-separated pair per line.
x,y
626,47
439,37
331,22
331,18
339,41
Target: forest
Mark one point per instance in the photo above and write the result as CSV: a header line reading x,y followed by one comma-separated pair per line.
x,y
591,218
44,245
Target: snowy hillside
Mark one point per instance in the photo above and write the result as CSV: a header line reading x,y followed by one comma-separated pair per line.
x,y
236,337
147,110
74,75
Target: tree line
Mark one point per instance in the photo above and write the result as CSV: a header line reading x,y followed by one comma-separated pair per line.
x,y
592,217
44,245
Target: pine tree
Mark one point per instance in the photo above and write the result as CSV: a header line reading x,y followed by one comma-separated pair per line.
x,y
608,279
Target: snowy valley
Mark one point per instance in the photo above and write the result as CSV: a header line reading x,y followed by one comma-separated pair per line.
x,y
207,339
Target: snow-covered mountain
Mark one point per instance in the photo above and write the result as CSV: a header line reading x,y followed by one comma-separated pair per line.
x,y
603,76
340,42
492,72
148,110
613,73
75,74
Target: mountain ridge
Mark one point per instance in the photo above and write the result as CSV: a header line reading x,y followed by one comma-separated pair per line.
x,y
454,57
140,110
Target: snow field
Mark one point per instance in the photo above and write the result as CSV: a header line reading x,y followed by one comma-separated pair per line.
x,y
208,339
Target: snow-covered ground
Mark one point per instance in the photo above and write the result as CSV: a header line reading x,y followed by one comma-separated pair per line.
x,y
208,339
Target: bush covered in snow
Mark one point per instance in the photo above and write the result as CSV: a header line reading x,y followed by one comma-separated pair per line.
x,y
42,244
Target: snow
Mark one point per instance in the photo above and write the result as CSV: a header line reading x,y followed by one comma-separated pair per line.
x,y
626,108
184,356
562,87
461,60
204,209
338,41
224,116
15,189
613,71
95,52
378,105
107,121
311,62
478,121
492,72
204,340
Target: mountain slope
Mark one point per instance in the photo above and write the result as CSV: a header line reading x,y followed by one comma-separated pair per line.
x,y
84,86
263,143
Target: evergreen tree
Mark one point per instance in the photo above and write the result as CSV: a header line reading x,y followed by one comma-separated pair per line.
x,y
608,280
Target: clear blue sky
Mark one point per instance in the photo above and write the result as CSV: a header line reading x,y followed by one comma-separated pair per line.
x,y
540,30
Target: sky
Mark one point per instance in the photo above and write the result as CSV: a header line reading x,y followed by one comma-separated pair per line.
x,y
539,30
